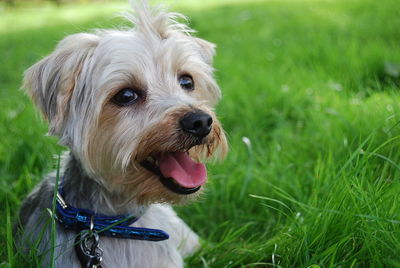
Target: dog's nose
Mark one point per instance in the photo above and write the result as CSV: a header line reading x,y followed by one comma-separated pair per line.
x,y
197,123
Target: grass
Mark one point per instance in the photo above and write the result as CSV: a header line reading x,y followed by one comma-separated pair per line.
x,y
312,110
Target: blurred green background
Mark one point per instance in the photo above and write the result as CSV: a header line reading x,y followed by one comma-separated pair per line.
x,y
310,106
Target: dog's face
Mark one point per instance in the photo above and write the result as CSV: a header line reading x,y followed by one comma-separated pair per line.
x,y
134,106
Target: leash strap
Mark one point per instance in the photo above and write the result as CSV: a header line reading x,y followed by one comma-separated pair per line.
x,y
78,219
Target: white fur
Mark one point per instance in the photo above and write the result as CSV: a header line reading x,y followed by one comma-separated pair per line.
x,y
73,88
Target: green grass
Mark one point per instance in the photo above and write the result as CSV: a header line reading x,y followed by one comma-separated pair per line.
x,y
312,84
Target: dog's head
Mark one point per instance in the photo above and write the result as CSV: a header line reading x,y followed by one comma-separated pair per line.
x,y
135,106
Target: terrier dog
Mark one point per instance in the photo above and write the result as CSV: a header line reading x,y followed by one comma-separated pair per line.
x,y
135,108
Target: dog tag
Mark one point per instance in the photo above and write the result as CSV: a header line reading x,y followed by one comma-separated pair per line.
x,y
87,249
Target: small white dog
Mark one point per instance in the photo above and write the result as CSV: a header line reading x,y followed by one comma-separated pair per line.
x,y
135,107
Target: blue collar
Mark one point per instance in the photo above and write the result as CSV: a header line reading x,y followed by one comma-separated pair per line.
x,y
78,219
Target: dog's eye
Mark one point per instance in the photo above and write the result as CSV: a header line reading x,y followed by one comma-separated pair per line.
x,y
186,82
125,97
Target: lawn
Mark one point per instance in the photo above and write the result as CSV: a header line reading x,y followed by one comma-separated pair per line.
x,y
311,107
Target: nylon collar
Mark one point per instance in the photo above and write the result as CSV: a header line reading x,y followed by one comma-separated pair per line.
x,y
78,219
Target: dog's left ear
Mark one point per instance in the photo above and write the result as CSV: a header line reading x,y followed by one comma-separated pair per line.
x,y
207,50
51,82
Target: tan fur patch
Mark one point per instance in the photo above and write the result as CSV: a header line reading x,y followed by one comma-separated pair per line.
x,y
165,136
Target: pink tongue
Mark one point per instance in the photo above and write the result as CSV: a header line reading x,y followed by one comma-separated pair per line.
x,y
183,169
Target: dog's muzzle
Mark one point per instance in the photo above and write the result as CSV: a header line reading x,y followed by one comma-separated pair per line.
x,y
176,170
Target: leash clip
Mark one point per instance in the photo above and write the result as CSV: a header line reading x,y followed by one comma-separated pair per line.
x,y
87,248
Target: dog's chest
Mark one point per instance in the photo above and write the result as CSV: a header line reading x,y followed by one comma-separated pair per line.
x,y
131,253
119,252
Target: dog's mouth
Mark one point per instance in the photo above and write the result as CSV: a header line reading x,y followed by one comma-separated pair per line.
x,y
177,171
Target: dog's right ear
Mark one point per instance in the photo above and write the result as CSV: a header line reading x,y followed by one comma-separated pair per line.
x,y
51,82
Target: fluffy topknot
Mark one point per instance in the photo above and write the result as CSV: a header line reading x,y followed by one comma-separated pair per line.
x,y
156,20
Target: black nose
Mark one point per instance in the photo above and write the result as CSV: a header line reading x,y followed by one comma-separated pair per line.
x,y
197,123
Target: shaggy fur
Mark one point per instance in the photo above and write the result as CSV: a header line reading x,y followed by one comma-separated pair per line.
x,y
74,86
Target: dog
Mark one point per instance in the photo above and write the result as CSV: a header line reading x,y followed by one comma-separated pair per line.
x,y
135,107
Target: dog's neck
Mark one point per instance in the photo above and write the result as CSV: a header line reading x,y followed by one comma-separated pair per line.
x,y
81,191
